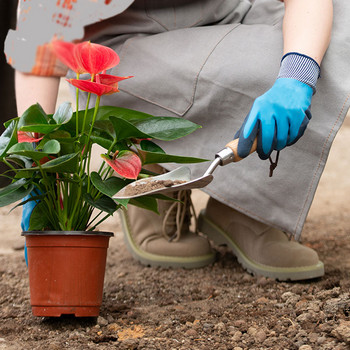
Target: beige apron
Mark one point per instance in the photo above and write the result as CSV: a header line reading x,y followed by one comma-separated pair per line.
x,y
207,61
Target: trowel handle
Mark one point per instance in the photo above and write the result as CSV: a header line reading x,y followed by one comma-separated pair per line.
x,y
233,145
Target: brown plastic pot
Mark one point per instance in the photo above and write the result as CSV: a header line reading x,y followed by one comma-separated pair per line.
x,y
66,272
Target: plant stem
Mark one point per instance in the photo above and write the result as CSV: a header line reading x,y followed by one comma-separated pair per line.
x,y
86,110
103,219
77,111
89,144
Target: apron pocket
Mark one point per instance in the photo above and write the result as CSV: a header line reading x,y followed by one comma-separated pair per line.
x,y
166,66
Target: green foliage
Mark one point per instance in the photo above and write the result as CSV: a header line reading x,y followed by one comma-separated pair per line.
x,y
56,171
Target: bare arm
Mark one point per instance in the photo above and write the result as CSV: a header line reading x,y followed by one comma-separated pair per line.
x,y
307,27
31,89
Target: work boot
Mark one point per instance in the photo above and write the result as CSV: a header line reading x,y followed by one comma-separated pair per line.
x,y
260,249
166,240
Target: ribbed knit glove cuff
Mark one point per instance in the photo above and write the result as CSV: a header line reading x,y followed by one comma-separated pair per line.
x,y
300,67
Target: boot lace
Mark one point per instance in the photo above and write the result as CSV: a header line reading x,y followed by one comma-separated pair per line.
x,y
177,215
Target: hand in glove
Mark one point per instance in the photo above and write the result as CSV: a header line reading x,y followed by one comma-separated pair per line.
x,y
279,117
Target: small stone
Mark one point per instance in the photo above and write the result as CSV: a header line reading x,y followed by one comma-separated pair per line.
x,y
285,296
237,348
207,325
313,337
252,331
54,346
168,332
102,321
110,319
192,333
260,336
342,332
237,336
231,329
220,326
305,347
241,325
321,340
262,281
262,300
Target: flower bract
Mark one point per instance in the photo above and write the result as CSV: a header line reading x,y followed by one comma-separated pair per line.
x,y
127,164
95,58
65,52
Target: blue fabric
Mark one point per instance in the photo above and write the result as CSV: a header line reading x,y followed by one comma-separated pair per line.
x,y
26,213
277,118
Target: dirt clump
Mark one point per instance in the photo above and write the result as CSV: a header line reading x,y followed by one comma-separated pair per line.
x,y
148,185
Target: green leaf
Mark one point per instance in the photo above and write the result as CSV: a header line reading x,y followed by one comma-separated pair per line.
x,y
62,135
106,126
22,161
26,149
40,128
8,138
8,122
14,192
38,219
52,147
104,203
125,130
64,164
33,116
154,157
145,202
102,139
105,112
166,128
110,186
64,113
67,142
150,146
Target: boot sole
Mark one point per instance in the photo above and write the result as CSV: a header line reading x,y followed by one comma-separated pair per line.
x,y
219,237
155,260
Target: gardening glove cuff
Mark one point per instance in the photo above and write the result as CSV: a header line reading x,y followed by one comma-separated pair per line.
x,y
300,67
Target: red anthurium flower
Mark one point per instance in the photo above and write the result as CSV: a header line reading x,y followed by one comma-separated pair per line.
x,y
95,58
108,79
127,164
65,52
94,88
27,137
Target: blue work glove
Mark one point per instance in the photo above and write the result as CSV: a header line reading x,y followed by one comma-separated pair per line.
x,y
279,117
26,213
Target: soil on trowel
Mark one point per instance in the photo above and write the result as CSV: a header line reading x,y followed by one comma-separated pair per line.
x,y
150,185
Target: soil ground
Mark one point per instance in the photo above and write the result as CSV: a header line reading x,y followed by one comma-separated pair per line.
x,y
216,307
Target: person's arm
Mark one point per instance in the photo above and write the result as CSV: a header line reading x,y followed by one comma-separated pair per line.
x,y
279,117
31,89
307,27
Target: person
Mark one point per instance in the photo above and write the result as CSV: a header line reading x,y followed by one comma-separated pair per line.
x,y
241,69
7,89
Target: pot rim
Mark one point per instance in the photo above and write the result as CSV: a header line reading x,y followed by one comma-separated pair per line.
x,y
67,233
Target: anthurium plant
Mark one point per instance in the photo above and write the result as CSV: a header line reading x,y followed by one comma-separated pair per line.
x,y
49,156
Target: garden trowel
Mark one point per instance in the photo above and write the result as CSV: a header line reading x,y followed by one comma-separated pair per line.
x,y
180,178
